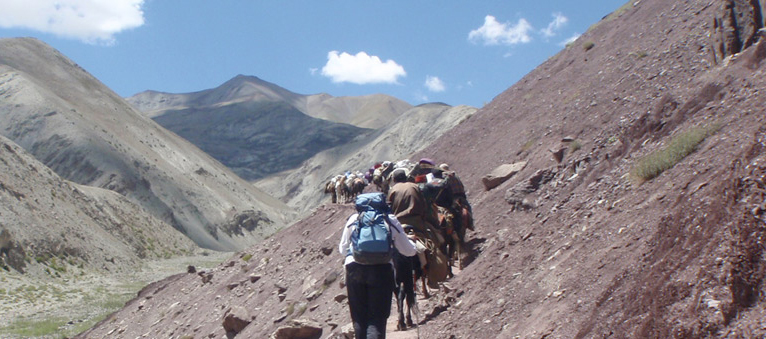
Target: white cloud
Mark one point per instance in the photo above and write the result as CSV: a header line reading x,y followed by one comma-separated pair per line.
x,y
570,40
559,20
91,21
361,69
434,84
495,33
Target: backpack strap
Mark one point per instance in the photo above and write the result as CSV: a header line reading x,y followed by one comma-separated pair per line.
x,y
390,224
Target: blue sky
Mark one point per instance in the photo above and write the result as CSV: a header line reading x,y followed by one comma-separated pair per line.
x,y
456,52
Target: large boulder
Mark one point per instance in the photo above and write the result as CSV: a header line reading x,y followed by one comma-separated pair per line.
x,y
299,329
236,320
502,173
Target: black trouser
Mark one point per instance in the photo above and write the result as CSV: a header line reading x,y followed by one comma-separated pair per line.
x,y
369,290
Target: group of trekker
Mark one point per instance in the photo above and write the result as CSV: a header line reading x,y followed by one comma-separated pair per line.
x,y
421,214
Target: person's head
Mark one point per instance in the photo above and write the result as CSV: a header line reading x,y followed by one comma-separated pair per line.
x,y
437,172
399,175
444,167
426,163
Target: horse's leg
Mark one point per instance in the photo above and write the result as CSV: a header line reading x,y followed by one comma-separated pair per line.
x,y
400,325
460,243
410,304
448,249
425,286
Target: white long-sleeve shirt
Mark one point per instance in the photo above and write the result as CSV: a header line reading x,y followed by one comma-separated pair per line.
x,y
403,244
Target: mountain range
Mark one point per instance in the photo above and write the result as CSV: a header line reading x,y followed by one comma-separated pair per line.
x,y
636,210
258,129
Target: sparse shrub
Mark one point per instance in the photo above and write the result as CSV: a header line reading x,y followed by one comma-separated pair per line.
x,y
528,145
588,45
247,257
301,309
641,54
290,309
679,147
575,146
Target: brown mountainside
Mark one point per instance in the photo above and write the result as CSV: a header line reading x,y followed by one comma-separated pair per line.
x,y
582,246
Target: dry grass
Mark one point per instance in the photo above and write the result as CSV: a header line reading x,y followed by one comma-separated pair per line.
x,y
679,147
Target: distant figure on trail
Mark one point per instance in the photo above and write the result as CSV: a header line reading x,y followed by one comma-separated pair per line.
x,y
368,241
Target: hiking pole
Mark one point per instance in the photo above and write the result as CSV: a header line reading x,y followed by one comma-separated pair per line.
x,y
417,316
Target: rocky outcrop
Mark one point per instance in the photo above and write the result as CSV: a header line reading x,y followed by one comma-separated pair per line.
x,y
298,329
236,320
736,26
501,173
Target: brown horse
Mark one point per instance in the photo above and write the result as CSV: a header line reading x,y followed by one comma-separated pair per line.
x,y
357,187
329,187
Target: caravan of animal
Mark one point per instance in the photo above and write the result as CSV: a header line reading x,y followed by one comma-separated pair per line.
x,y
343,188
431,203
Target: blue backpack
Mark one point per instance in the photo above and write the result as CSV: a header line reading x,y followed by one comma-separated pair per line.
x,y
371,242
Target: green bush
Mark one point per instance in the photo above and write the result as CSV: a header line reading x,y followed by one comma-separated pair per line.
x,y
30,328
575,146
588,45
679,147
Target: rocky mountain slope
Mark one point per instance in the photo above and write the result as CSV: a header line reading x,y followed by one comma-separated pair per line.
x,y
302,188
256,139
87,134
582,242
44,216
57,233
258,129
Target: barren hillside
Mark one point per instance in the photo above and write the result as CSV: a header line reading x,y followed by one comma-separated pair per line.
x,y
56,235
87,134
584,242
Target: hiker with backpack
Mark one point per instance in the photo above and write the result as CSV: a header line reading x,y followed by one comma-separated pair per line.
x,y
369,238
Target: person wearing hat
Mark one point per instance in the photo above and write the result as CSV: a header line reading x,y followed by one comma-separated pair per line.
x,y
410,207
